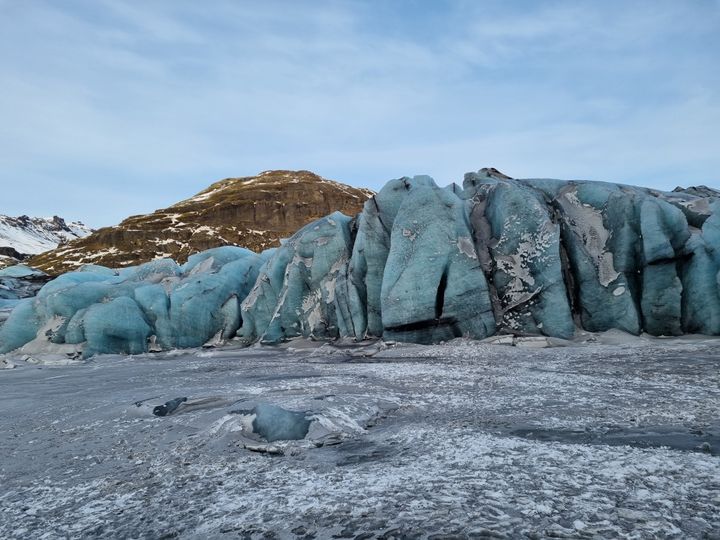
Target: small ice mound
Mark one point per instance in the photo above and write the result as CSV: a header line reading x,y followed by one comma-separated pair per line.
x,y
273,423
293,424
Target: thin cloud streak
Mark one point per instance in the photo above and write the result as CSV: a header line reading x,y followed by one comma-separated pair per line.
x,y
155,101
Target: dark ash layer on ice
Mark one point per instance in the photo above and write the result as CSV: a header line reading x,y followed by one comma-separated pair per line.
x,y
419,264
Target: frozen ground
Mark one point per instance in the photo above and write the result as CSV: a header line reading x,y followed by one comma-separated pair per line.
x,y
463,440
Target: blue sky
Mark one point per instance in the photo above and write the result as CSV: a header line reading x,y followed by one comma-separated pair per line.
x,y
111,108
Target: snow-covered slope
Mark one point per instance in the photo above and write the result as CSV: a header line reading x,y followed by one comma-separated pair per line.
x,y
23,236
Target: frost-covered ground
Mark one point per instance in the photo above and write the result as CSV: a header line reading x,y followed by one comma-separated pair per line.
x,y
462,440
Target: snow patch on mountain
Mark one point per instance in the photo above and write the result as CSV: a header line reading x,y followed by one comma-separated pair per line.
x,y
30,236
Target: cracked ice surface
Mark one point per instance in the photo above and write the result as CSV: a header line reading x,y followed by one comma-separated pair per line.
x,y
470,439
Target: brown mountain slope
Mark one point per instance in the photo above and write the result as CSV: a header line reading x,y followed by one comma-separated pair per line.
x,y
253,212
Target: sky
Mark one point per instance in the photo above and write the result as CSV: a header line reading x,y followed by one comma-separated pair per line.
x,y
110,108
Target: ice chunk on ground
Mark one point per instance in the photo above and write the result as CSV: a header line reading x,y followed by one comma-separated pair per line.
x,y
273,423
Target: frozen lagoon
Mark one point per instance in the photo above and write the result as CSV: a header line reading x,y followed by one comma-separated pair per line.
x,y
463,440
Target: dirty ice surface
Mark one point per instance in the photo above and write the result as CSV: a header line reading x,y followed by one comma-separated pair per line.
x,y
466,439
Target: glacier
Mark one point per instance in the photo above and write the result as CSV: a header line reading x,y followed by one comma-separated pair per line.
x,y
422,264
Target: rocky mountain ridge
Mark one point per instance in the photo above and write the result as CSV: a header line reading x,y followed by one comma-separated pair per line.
x,y
22,237
255,212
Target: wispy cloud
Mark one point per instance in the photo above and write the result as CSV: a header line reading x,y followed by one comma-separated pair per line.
x,y
155,100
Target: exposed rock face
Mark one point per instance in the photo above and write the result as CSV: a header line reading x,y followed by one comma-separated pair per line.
x,y
419,263
253,212
700,191
22,237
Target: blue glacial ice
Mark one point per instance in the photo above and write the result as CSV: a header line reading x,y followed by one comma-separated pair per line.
x,y
433,288
272,423
421,264
155,305
301,289
518,244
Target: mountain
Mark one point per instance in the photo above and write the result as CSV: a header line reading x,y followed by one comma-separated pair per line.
x,y
255,212
21,237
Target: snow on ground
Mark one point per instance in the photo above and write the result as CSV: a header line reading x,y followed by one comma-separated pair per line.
x,y
461,440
